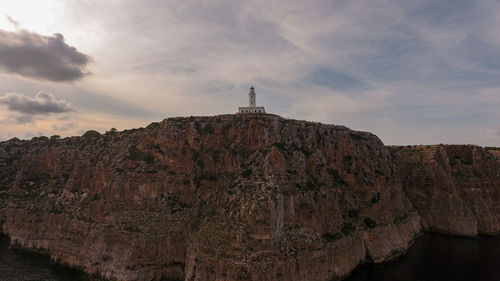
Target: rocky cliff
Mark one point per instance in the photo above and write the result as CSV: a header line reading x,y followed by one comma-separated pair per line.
x,y
231,197
455,188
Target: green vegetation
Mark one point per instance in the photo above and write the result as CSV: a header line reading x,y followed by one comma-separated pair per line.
x,y
9,161
336,176
55,211
131,228
195,156
40,138
226,128
172,279
369,223
91,134
376,198
209,129
279,145
247,173
153,125
400,218
492,148
348,229
357,136
311,184
301,149
353,214
330,237
111,131
347,160
135,154
8,148
208,177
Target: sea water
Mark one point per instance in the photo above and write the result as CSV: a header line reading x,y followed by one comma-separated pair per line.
x,y
440,258
19,265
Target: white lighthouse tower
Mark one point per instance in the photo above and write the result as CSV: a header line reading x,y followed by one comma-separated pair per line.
x,y
251,97
252,108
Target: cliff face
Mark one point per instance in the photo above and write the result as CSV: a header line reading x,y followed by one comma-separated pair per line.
x,y
455,188
495,152
213,198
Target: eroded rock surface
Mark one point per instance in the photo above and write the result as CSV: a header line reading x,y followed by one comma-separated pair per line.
x,y
214,198
230,197
455,188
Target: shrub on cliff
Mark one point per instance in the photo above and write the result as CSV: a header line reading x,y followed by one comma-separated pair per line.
x,y
91,134
139,155
348,229
369,223
209,129
329,237
247,173
376,197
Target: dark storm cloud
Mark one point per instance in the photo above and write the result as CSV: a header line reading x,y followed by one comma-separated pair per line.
x,y
42,103
41,57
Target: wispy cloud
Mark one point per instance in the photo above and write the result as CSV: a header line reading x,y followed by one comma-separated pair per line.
x,y
23,119
64,127
334,79
12,21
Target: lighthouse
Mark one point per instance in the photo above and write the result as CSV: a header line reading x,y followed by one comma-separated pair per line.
x,y
252,108
251,97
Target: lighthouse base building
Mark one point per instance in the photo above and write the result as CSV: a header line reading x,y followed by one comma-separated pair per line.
x,y
251,108
255,109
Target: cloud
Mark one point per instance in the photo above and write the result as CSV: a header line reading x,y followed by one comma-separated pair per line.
x,y
41,57
492,136
489,95
63,127
13,22
413,70
43,103
495,132
334,79
24,119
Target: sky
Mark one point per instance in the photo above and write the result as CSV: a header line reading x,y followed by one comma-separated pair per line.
x,y
411,72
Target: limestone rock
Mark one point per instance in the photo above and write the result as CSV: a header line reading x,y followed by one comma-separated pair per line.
x,y
236,197
455,188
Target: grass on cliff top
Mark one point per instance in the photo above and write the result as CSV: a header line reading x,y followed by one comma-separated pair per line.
x,y
491,148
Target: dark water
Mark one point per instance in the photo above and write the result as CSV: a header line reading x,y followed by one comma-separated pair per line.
x,y
431,258
440,258
16,265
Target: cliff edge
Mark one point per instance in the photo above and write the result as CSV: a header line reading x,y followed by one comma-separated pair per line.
x,y
230,197
455,188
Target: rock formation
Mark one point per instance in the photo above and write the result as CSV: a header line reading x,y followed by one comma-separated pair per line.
x,y
455,188
236,197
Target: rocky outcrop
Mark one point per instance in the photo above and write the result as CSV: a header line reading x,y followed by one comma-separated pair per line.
x,y
455,188
232,197
495,151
